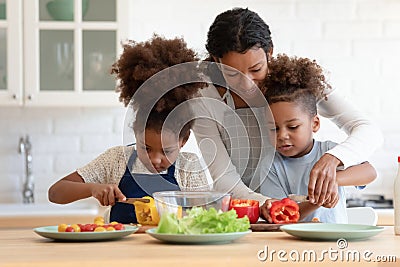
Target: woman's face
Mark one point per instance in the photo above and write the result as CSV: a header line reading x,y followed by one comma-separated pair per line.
x,y
245,71
157,151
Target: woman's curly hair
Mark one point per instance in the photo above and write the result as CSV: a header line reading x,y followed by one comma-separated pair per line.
x,y
156,100
295,79
238,30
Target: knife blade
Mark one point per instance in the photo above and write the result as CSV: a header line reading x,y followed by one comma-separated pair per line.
x,y
298,198
132,200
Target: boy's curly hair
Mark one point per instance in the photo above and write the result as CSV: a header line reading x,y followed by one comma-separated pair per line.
x,y
138,63
295,79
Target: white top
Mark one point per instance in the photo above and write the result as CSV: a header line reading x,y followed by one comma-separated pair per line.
x,y
110,166
364,138
291,175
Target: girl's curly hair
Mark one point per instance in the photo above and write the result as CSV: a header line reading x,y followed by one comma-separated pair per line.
x,y
138,63
295,79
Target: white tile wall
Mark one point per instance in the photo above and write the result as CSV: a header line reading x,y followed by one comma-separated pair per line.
x,y
357,41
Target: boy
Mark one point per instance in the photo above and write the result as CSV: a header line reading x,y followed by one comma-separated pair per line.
x,y
293,87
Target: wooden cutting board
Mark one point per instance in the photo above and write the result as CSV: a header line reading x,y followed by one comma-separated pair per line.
x,y
265,227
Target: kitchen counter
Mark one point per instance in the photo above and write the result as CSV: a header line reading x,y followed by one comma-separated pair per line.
x,y
385,216
23,247
16,215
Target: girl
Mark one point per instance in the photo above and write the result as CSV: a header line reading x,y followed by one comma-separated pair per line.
x,y
155,163
241,42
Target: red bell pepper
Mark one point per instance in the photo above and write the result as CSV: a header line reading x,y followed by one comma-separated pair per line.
x,y
284,211
246,207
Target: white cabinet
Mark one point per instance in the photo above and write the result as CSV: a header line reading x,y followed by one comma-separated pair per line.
x,y
59,52
11,65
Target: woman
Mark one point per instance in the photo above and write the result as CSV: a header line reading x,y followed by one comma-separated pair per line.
x,y
240,40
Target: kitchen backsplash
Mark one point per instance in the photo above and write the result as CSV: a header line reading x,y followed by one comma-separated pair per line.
x,y
357,41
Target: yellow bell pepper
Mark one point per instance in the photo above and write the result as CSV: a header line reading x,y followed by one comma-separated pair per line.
x,y
146,213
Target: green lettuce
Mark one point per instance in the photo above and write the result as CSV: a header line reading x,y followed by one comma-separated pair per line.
x,y
202,221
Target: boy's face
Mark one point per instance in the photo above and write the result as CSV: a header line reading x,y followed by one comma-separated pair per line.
x,y
292,132
158,151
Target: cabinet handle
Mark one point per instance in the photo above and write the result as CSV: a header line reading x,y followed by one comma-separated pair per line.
x,y
14,96
30,97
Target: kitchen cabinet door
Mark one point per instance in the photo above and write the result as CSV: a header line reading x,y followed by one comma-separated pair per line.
x,y
68,47
11,79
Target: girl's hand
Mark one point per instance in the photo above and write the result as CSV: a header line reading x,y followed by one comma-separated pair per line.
x,y
322,185
106,194
264,209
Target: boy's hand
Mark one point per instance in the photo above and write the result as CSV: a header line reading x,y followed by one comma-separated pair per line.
x,y
264,209
106,194
322,185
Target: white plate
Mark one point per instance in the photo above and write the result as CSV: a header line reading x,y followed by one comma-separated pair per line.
x,y
52,233
331,231
221,238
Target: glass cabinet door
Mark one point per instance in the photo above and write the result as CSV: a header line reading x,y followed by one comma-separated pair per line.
x,y
99,53
3,59
10,53
3,46
70,47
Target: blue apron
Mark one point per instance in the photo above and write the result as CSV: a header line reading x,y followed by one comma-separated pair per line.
x,y
140,185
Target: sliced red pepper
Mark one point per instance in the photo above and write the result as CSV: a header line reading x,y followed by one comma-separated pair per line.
x,y
284,211
246,207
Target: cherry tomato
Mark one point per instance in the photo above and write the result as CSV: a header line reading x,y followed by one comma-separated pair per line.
x,y
69,229
100,229
76,227
99,222
99,218
62,227
119,226
83,228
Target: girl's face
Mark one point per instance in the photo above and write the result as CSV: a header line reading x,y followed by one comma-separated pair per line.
x,y
292,131
246,70
158,151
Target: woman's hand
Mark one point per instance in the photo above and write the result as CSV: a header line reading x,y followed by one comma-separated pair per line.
x,y
264,209
322,186
331,202
106,194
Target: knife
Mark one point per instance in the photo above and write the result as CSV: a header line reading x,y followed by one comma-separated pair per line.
x,y
133,200
298,198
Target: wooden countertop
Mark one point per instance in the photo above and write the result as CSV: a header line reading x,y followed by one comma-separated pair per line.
x,y
23,247
385,216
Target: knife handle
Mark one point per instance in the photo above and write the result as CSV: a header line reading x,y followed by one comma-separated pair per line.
x,y
132,200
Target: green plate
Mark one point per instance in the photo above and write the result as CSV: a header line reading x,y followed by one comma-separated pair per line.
x,y
331,231
222,238
52,233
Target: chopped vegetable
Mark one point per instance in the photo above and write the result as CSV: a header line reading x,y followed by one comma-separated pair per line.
x,y
315,219
246,207
201,221
284,211
146,213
